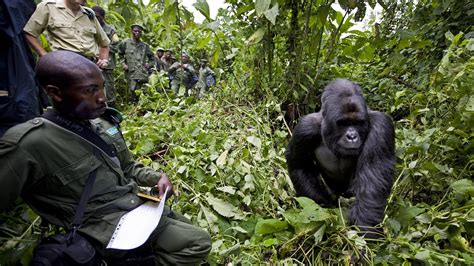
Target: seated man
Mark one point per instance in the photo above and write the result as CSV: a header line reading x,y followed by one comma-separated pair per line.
x,y
48,166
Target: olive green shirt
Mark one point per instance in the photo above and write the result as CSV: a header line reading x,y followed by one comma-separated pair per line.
x,y
203,74
48,166
113,47
182,75
138,57
80,33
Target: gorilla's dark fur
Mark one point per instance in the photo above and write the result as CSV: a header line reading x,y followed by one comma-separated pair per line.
x,y
345,149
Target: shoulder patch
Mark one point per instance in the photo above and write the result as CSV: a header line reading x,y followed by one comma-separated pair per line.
x,y
89,12
16,133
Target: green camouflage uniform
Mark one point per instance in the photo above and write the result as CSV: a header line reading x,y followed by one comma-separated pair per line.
x,y
181,76
202,83
48,166
138,56
108,71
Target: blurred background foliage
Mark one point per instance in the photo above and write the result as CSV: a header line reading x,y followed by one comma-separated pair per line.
x,y
225,153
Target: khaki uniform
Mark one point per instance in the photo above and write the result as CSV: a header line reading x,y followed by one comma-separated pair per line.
x,y
181,76
48,166
137,56
108,71
80,33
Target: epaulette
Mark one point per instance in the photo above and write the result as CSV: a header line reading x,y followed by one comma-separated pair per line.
x,y
16,133
89,12
113,115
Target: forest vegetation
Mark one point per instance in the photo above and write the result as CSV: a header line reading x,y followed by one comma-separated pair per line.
x,y
225,152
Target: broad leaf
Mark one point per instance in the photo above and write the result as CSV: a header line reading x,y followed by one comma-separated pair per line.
x,y
272,13
262,6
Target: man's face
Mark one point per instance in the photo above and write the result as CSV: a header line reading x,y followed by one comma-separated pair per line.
x,y
167,54
136,33
76,2
184,59
99,17
85,97
159,53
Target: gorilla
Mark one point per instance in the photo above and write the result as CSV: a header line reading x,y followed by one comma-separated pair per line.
x,y
347,150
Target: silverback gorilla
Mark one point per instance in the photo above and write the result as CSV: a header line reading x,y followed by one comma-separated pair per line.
x,y
346,149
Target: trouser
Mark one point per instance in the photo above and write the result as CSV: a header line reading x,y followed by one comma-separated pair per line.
x,y
109,86
201,91
175,241
176,85
134,85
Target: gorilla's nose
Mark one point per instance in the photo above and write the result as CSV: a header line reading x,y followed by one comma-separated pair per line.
x,y
351,135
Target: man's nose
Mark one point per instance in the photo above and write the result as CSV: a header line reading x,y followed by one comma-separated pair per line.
x,y
101,98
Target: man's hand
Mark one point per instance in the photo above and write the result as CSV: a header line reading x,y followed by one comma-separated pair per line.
x,y
125,67
102,63
162,184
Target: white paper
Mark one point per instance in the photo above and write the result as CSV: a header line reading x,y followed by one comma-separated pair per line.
x,y
136,226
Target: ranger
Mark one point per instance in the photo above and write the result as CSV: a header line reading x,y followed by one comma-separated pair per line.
x,y
137,60
70,26
48,165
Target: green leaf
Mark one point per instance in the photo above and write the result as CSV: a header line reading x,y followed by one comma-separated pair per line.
x,y
262,6
307,203
222,158
423,255
203,8
257,36
318,236
272,13
270,242
227,189
223,208
254,141
213,25
407,214
322,13
463,186
268,226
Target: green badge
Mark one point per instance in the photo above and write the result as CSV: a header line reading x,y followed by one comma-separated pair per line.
x,y
112,131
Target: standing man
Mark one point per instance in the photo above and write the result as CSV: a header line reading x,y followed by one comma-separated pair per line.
x,y
207,78
137,59
70,26
166,60
108,71
47,161
182,74
158,59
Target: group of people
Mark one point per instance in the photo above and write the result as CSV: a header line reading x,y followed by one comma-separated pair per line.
x,y
82,30
47,164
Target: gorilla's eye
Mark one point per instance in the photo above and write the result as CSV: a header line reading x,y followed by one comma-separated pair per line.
x,y
349,122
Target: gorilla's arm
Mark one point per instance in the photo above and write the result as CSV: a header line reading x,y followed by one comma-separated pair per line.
x,y
300,158
375,169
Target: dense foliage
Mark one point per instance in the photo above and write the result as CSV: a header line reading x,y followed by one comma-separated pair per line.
x,y
225,153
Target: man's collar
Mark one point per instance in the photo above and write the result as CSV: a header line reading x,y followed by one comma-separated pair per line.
x,y
60,4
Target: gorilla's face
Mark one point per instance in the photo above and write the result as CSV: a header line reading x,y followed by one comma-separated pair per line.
x,y
350,136
345,121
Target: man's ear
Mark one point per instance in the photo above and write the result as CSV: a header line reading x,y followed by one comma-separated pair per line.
x,y
54,92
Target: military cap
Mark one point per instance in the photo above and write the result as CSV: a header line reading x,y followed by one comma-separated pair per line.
x,y
160,49
137,25
204,61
